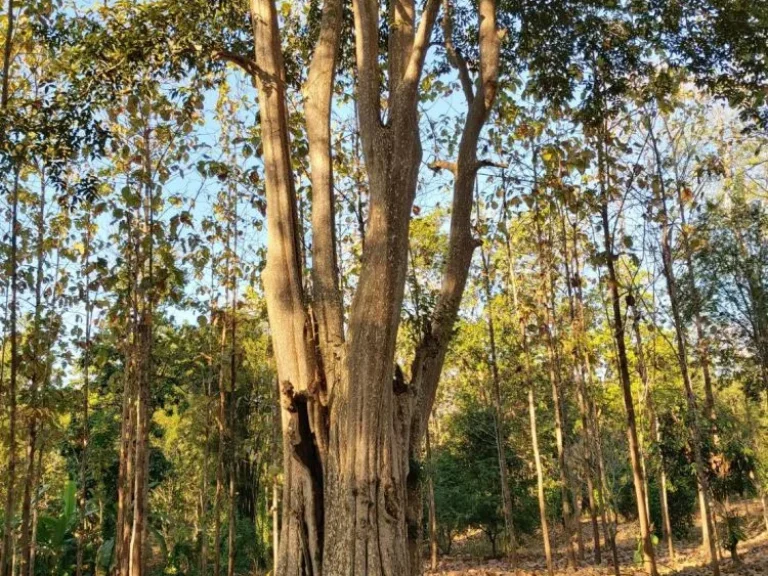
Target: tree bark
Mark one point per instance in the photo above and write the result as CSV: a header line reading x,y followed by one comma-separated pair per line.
x,y
573,284
498,418
626,384
221,424
521,322
433,548
146,294
702,349
38,373
682,358
233,273
540,482
85,405
6,552
348,432
6,566
547,303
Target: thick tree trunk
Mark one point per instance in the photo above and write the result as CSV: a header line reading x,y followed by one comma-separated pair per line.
x,y
347,431
137,560
626,384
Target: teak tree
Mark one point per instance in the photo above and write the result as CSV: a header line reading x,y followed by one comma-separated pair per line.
x,y
351,423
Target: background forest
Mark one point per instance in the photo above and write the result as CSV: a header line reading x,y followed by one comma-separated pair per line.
x,y
603,403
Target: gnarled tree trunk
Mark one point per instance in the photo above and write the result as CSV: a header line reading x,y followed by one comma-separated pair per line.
x,y
350,421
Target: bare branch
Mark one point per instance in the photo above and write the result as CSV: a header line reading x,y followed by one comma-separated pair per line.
x,y
454,56
244,62
490,164
439,165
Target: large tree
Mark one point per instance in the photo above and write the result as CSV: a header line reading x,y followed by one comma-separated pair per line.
x,y
351,422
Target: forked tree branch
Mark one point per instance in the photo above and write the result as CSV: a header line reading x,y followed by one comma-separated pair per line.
x,y
421,44
454,56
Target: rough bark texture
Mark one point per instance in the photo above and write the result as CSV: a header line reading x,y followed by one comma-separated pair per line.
x,y
351,423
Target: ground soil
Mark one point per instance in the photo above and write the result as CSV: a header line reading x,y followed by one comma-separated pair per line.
x,y
689,559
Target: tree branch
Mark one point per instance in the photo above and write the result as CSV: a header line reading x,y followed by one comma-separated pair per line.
x,y
439,165
366,14
318,93
421,44
454,56
247,64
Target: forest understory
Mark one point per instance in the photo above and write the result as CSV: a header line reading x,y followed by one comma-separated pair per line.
x,y
690,559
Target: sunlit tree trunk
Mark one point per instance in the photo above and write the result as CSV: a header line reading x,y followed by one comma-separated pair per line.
x,y
682,358
233,274
6,552
623,363
81,539
221,423
702,349
656,432
522,334
498,417
6,566
146,295
433,548
548,322
597,466
350,421
38,373
573,283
